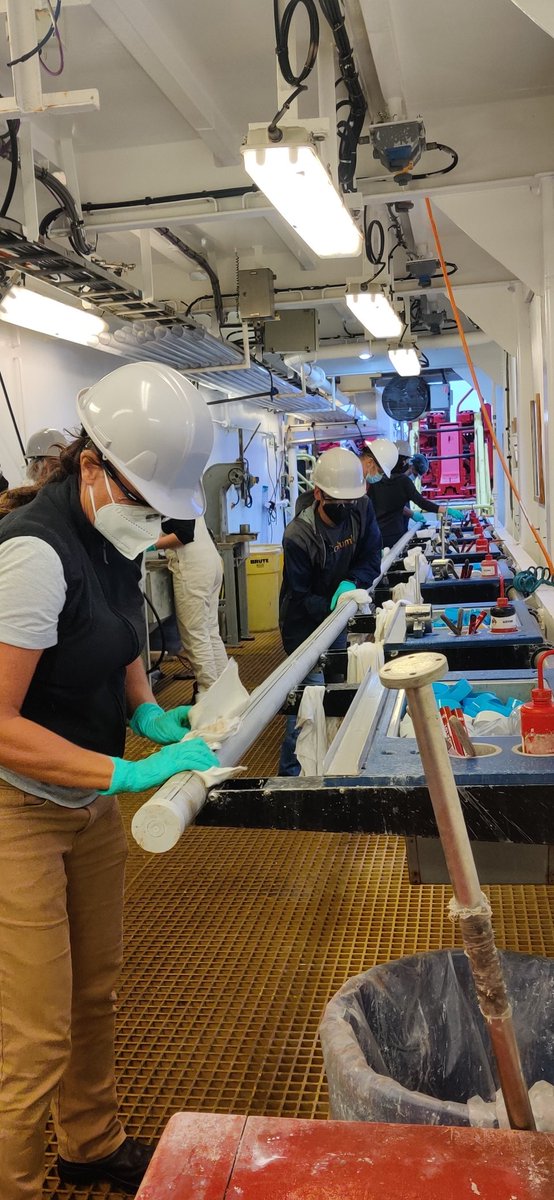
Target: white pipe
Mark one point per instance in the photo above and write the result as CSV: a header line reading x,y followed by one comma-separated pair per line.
x,y
158,824
446,341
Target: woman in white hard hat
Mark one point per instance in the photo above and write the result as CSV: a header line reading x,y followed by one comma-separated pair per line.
x,y
390,494
42,453
71,633
332,546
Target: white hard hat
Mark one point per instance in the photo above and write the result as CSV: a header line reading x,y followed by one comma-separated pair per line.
x,y
404,449
339,474
385,454
45,443
154,427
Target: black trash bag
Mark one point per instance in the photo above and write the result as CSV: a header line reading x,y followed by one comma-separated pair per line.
x,y
406,1043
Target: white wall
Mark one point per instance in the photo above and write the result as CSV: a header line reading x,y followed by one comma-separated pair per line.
x,y
43,376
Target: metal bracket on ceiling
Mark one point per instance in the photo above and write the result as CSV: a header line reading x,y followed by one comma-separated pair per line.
x,y
23,17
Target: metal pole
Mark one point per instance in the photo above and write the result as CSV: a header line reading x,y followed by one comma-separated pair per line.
x,y
415,673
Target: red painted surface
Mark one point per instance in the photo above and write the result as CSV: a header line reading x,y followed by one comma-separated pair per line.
x,y
208,1157
194,1159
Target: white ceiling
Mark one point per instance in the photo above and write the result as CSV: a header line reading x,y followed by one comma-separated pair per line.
x,y
480,72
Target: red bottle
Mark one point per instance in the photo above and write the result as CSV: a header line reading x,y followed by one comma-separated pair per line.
x,y
537,716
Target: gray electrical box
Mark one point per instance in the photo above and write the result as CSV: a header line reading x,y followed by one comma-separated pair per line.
x,y
256,293
294,329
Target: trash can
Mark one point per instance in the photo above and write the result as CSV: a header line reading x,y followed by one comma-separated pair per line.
x,y
405,1043
264,567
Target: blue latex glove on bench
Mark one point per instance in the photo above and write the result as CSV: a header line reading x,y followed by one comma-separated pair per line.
x,y
345,586
457,514
418,517
151,721
151,772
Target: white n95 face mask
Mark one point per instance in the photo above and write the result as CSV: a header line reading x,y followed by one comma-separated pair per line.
x,y
131,528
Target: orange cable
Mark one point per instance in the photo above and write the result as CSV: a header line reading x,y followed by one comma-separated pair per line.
x,y
483,406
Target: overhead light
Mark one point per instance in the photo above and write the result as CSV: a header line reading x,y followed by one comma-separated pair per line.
x,y
373,309
405,360
31,310
295,181
366,354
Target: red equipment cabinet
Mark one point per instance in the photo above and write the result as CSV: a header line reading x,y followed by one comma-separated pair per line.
x,y
450,448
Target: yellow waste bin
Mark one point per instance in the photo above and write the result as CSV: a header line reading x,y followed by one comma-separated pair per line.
x,y
264,569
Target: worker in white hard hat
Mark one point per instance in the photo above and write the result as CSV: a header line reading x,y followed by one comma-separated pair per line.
x,y
42,453
390,494
71,632
332,546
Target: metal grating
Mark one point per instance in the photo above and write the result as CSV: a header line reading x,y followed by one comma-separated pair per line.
x,y
236,940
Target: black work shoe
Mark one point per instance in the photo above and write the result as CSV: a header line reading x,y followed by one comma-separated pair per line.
x,y
126,1166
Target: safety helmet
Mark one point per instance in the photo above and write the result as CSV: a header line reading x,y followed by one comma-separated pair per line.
x,y
339,474
154,427
404,449
420,463
45,443
384,452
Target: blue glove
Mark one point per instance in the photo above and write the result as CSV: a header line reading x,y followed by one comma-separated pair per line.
x,y
151,721
345,586
193,755
457,514
418,517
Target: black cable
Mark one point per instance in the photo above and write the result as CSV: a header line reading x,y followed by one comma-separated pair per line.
x,y
14,155
444,170
282,32
175,198
12,414
163,651
350,129
203,263
62,194
36,49
374,253
235,399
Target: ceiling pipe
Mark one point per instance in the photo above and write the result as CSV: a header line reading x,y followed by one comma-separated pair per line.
x,y
446,341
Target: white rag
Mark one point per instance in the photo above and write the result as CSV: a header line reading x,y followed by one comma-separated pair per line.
x,y
487,1114
218,712
359,595
406,591
364,657
313,739
384,617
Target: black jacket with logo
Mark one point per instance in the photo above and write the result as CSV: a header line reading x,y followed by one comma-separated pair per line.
x,y
78,689
312,572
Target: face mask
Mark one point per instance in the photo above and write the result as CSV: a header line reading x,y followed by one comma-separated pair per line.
x,y
337,513
374,478
130,528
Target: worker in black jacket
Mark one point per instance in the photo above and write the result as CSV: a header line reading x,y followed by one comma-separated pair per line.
x,y
331,547
390,494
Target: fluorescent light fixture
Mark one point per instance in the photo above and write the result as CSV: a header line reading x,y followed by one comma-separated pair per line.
x,y
31,310
296,183
405,360
366,354
373,309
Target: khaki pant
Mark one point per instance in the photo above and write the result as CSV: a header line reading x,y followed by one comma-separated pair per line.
x,y
61,910
197,572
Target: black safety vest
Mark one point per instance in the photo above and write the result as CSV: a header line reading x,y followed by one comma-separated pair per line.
x,y
78,689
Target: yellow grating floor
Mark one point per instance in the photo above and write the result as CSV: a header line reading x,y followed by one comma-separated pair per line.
x,y
236,940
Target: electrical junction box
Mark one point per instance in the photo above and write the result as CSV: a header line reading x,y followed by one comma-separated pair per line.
x,y
256,293
293,329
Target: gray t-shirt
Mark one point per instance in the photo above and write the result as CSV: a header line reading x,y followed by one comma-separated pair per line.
x,y
32,596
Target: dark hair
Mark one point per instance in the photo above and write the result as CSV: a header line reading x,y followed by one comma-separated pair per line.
x,y
69,464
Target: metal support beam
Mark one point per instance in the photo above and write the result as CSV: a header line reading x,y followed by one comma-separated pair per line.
x,y
175,70
28,97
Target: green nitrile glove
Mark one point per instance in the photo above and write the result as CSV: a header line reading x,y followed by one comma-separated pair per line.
x,y
151,721
457,514
193,755
345,586
418,517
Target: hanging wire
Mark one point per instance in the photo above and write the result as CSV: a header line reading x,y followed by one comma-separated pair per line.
x,y
282,34
61,64
40,45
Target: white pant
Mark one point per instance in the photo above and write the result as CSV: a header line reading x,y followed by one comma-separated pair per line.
x,y
197,573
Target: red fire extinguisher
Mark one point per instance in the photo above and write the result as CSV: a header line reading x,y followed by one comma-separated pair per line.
x,y
537,716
